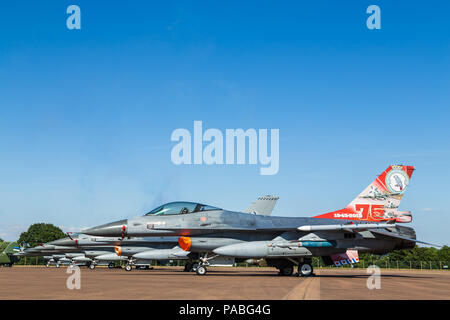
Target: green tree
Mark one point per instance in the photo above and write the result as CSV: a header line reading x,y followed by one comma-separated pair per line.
x,y
40,233
3,246
444,254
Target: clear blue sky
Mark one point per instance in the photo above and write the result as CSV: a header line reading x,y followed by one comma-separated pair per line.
x,y
86,115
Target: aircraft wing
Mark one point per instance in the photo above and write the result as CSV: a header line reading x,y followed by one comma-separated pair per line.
x,y
263,205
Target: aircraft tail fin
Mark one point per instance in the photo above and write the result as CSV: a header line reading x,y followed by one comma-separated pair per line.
x,y
380,200
263,205
12,248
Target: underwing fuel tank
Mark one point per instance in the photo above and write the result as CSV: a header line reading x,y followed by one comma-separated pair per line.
x,y
81,259
110,257
259,249
162,254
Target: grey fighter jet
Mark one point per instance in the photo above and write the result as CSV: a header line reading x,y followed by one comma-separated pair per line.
x,y
209,232
100,249
58,254
141,251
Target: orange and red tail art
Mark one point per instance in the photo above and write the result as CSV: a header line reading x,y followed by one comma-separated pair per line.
x,y
380,200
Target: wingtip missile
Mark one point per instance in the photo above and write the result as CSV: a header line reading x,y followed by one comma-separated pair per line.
x,y
352,226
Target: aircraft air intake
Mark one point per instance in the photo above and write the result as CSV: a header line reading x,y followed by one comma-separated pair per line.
x,y
185,243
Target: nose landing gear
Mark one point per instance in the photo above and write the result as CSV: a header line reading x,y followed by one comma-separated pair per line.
x,y
200,269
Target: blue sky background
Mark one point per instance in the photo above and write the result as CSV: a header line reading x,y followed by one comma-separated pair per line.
x,y
86,115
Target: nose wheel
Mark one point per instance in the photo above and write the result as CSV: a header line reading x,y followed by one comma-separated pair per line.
x,y
128,267
201,270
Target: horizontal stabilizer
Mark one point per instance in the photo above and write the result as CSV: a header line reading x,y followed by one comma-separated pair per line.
x,y
394,235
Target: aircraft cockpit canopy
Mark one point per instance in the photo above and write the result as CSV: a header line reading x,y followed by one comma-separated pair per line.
x,y
180,208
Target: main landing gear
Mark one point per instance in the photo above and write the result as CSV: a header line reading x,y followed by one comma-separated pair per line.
x,y
286,270
286,266
305,269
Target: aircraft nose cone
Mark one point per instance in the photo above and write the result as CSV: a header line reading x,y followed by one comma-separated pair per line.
x,y
63,242
223,251
113,229
46,246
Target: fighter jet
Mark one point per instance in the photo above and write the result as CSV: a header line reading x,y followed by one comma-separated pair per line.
x,y
7,257
208,232
141,251
69,254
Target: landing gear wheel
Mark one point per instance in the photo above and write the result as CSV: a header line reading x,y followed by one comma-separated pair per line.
x,y
128,267
111,265
57,265
201,270
305,270
92,266
47,265
287,271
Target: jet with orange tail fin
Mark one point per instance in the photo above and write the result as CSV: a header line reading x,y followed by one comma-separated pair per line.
x,y
370,223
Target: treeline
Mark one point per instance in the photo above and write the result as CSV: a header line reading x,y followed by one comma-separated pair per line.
x,y
36,234
414,254
415,258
